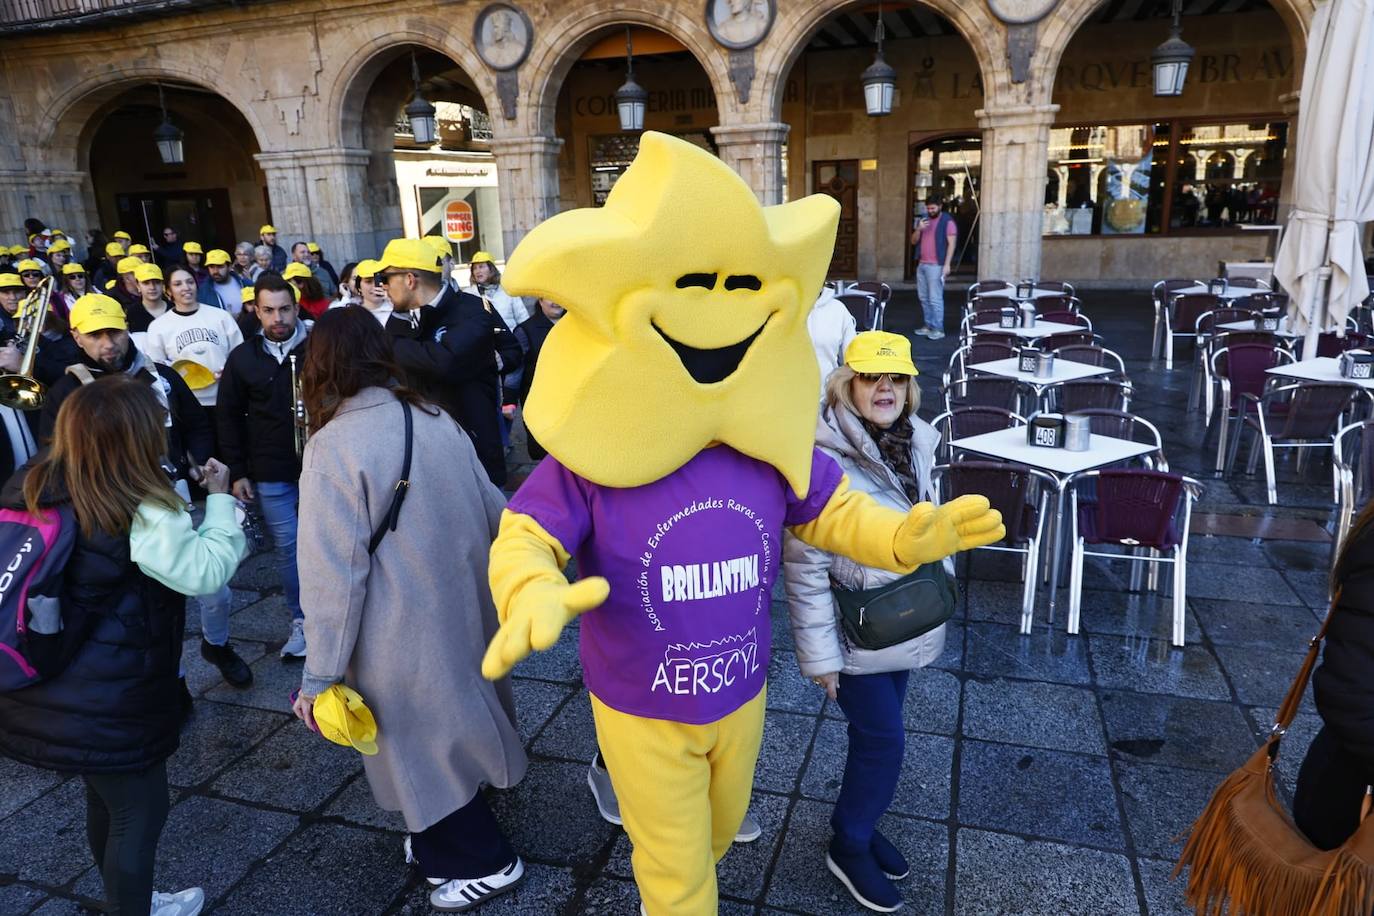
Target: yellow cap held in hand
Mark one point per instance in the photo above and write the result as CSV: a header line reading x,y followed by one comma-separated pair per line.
x,y
344,718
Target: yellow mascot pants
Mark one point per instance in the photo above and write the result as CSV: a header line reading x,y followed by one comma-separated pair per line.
x,y
683,792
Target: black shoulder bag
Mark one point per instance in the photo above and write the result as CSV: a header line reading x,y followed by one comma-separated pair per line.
x,y
915,604
398,497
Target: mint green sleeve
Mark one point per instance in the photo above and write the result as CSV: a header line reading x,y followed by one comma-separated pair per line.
x,y
167,548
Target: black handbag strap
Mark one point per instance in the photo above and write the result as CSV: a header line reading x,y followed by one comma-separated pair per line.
x,y
398,497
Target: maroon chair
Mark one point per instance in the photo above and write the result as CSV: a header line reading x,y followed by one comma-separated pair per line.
x,y
880,291
1329,344
1302,416
1052,342
1204,329
1160,294
983,350
1057,286
863,308
1262,302
983,391
1056,304
968,326
1093,355
984,286
962,422
1104,421
1001,337
1067,316
1184,312
1087,394
1239,370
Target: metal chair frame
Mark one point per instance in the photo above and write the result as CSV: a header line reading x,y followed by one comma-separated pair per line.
x,y
1220,396
1160,294
1204,329
1070,350
1352,473
947,418
872,317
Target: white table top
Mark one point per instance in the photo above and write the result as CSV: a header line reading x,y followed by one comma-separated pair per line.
x,y
1010,445
1284,329
1318,369
1231,292
1010,293
1064,371
1041,329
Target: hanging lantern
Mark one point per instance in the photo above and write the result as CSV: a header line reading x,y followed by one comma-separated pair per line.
x,y
879,80
168,136
1171,59
420,112
631,99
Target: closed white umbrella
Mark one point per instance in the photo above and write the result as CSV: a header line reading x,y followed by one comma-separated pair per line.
x,y
1319,261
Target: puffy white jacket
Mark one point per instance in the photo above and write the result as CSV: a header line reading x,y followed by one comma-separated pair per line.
x,y
512,309
808,571
831,328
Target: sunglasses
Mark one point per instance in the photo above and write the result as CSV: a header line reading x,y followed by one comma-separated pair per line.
x,y
871,378
384,278
29,274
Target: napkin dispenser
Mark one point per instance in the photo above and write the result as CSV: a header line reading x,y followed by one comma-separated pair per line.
x,y
1025,289
1077,433
1357,364
1028,315
1216,287
1008,317
1044,365
1046,430
1027,359
1267,322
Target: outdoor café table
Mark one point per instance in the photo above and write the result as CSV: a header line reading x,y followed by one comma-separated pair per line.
x,y
1009,292
1035,332
1230,292
1064,371
1319,369
1062,464
1283,330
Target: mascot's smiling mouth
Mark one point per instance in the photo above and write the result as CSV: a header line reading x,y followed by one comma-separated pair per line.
x,y
709,366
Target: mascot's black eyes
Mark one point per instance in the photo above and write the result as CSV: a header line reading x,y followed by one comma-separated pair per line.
x,y
743,281
706,281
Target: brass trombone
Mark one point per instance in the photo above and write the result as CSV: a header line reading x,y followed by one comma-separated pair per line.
x,y
20,390
300,418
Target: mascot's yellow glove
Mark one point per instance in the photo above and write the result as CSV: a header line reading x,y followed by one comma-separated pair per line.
x,y
534,600
852,524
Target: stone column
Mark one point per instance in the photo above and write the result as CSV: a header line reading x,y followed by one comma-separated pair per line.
x,y
1291,106
61,199
321,195
527,180
1016,143
755,152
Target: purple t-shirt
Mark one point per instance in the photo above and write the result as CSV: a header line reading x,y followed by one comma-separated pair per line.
x,y
691,560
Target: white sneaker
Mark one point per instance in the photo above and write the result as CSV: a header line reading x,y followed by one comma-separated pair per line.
x,y
182,903
921,332
936,335
466,893
749,829
295,644
411,860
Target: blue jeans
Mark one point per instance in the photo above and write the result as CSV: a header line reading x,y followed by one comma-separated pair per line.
x,y
214,616
873,705
277,500
930,286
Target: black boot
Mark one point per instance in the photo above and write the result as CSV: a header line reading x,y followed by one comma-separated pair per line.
x,y
236,672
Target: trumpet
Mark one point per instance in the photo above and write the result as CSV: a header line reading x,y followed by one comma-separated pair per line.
x,y
20,390
301,419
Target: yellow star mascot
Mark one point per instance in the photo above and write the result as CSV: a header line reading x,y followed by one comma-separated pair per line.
x,y
677,401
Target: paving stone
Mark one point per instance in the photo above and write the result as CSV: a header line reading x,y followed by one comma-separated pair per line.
x,y
801,883
1219,580
788,690
1048,655
1000,602
257,573
273,681
1003,874
535,702
611,897
21,784
59,819
294,768
544,890
932,702
1162,803
1283,628
210,843
201,675
1262,676
572,835
1163,892
16,898
214,736
266,620
952,658
356,804
1213,549
570,734
58,906
1175,731
1125,614
1314,587
1038,792
786,737
1295,743
559,663
1051,716
782,625
1156,666
331,855
924,785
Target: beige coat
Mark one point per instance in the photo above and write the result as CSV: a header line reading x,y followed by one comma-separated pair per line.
x,y
407,626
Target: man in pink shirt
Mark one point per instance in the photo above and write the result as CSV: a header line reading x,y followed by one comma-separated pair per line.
x,y
934,239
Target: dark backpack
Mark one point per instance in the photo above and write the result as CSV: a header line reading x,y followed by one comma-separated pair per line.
x,y
33,552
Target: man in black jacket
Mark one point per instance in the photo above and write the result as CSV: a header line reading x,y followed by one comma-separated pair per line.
x,y
451,348
256,415
530,334
102,332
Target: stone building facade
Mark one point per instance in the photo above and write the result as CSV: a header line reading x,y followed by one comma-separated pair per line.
x,y
309,91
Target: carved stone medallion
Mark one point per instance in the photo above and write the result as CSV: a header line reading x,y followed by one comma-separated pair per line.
x,y
1020,12
739,24
503,36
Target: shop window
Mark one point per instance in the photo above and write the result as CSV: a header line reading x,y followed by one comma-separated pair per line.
x,y
1229,174
611,154
951,169
484,207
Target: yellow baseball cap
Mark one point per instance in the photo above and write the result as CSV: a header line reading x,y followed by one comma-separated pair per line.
x,y
110,284
482,257
344,718
312,248
97,312
17,249
11,281
139,249
121,234
72,268
216,256
128,264
29,264
880,351
190,248
247,294
60,245
114,250
295,269
268,228
410,254
196,376
147,272
57,234
367,268
440,245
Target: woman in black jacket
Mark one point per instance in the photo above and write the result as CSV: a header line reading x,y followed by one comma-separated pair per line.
x,y
112,714
1339,766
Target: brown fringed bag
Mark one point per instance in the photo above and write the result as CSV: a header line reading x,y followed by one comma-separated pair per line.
x,y
1245,855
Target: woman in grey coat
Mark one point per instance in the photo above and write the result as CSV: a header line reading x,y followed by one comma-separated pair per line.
x,y
868,424
406,626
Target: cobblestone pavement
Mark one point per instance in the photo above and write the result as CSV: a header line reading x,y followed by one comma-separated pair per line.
x,y
1045,774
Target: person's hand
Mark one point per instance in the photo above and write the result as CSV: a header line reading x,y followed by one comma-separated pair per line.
x,y
932,533
215,477
831,683
304,708
10,357
944,272
243,490
536,616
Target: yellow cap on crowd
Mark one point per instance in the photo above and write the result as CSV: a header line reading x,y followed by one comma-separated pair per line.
x,y
440,245
367,269
72,268
192,248
268,229
410,254
29,264
110,284
247,295
97,312
18,249
128,264
312,248
60,245
147,272
114,250
880,351
216,256
139,249
296,269
11,281
121,234
295,292
482,257
58,234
